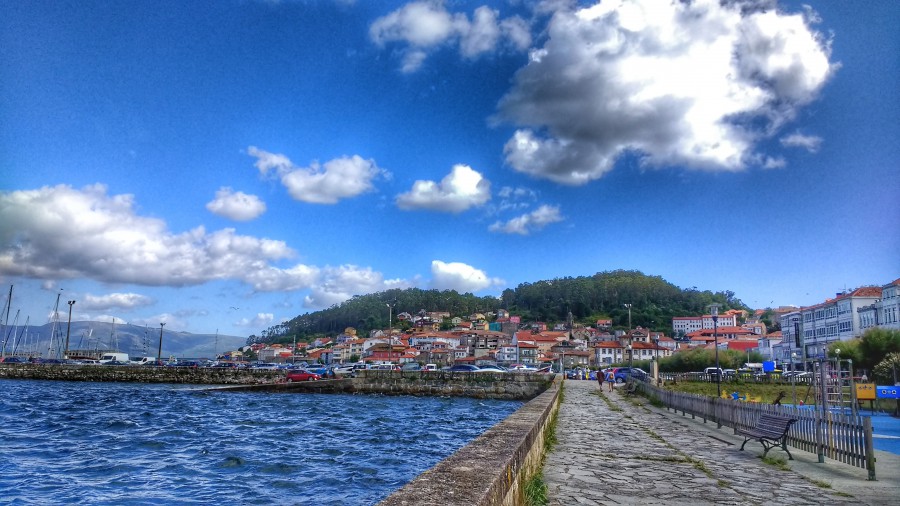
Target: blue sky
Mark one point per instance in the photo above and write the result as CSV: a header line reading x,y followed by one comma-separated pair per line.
x,y
229,165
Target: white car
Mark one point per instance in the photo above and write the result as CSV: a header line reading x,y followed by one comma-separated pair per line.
x,y
343,369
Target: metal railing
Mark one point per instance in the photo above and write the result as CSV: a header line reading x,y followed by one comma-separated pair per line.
x,y
835,434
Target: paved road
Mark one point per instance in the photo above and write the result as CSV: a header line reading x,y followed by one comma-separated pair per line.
x,y
617,449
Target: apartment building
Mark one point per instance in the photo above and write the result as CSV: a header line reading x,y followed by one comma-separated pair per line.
x,y
839,319
684,325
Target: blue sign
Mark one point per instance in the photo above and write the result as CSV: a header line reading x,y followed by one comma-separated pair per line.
x,y
886,392
768,366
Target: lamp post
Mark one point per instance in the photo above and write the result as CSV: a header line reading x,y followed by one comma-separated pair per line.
x,y
68,329
390,331
656,342
714,309
630,356
794,377
628,307
159,351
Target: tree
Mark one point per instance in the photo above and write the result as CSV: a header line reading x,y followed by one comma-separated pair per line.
x,y
876,344
887,372
849,350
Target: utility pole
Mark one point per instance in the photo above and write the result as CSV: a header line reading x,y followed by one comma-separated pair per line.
x,y
630,350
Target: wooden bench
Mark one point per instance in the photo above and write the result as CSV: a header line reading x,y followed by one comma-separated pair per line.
x,y
771,431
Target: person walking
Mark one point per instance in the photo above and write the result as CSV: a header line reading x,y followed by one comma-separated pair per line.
x,y
610,379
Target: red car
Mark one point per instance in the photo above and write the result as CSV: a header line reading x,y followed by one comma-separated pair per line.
x,y
301,375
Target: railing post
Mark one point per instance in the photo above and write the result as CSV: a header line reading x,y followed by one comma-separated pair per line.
x,y
870,448
718,405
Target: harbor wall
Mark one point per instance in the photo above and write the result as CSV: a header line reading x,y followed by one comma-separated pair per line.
x,y
493,469
139,374
511,386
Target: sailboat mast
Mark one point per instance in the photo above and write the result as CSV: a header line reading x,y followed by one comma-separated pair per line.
x,y
55,322
6,323
20,337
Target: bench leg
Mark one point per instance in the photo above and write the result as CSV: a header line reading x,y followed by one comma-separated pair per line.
x,y
784,447
766,446
745,442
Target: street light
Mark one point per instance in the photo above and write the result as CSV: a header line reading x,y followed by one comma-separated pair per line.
x,y
390,331
628,307
630,356
794,377
159,352
656,342
714,309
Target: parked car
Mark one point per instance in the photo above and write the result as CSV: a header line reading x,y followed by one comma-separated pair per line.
x,y
622,374
491,368
301,375
344,370
411,366
713,372
461,368
13,360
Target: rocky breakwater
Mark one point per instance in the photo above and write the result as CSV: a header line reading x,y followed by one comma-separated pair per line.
x,y
487,385
139,374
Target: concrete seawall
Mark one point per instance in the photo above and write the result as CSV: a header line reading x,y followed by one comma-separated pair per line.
x,y
492,469
138,374
519,386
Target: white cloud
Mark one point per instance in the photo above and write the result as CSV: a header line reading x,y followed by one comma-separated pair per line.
x,y
173,322
774,163
421,24
460,190
110,243
811,143
460,277
481,35
338,284
261,320
424,26
337,179
680,83
530,222
236,206
123,301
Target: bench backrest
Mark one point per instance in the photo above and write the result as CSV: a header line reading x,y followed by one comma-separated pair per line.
x,y
774,423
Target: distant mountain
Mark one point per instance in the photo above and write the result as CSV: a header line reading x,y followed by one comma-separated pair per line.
x,y
132,339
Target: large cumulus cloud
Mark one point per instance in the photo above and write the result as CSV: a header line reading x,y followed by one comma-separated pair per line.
x,y
693,84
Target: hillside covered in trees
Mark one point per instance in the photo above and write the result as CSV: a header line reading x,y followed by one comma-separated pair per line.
x,y
654,302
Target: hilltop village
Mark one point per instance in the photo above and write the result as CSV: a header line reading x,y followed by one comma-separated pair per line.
x,y
501,338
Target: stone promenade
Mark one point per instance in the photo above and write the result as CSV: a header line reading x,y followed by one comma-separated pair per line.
x,y
617,449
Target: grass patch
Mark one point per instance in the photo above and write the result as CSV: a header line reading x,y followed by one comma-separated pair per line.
x,y
820,483
535,491
762,392
723,484
700,466
609,403
655,436
651,458
776,462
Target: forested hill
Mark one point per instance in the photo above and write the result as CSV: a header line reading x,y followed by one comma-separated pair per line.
x,y
654,302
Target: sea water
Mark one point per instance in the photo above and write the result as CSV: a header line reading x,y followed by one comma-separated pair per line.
x,y
128,443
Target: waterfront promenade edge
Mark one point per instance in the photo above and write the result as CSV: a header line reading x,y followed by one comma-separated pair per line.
x,y
616,448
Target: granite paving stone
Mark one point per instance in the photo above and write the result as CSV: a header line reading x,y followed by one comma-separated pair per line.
x,y
613,448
